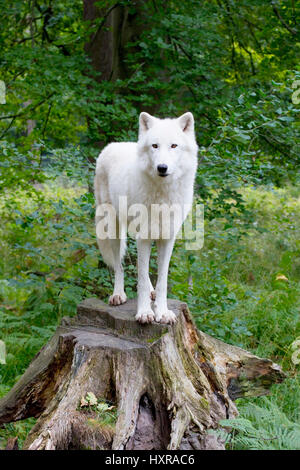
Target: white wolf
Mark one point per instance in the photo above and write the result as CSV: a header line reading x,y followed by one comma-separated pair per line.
x,y
157,170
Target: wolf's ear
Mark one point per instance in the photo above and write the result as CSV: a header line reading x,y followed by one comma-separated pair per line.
x,y
186,122
145,122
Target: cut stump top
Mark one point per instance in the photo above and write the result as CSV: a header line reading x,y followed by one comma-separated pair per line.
x,y
121,319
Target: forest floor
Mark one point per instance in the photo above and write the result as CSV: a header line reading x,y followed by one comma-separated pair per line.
x,y
242,287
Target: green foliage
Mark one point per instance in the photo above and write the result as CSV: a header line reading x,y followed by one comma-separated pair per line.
x,y
238,83
233,65
230,285
19,429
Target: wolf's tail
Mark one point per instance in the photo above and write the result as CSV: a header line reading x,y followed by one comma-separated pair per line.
x,y
106,245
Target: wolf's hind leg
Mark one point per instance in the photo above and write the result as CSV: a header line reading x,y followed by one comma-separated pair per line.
x,y
118,297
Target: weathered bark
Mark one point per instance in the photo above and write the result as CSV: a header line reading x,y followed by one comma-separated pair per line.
x,y
169,384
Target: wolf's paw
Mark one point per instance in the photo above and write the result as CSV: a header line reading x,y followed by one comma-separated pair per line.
x,y
117,299
152,295
165,316
145,316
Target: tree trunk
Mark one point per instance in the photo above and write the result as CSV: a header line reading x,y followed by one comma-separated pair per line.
x,y
168,384
117,26
114,28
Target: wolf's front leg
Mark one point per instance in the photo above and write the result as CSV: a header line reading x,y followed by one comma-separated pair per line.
x,y
144,311
164,252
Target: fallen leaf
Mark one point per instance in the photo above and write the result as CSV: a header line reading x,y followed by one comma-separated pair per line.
x,y
90,397
83,402
102,407
281,277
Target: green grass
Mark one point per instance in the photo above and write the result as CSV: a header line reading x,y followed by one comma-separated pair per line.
x,y
230,286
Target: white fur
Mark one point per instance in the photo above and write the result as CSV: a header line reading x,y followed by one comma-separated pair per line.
x,y
130,169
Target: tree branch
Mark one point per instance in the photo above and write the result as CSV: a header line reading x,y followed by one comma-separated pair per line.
x,y
17,115
294,32
47,119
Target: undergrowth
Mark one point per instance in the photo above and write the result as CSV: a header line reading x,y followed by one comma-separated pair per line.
x,y
242,287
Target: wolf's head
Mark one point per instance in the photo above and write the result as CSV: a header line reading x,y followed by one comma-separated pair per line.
x,y
167,148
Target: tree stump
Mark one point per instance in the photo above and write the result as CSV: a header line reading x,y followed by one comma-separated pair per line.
x,y
169,384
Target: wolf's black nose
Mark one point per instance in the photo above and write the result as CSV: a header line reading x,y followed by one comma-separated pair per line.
x,y
162,168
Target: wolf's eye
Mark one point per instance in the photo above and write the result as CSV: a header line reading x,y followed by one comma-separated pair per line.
x,y
173,146
155,146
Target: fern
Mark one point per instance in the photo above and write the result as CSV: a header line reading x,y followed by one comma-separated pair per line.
x,y
262,428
